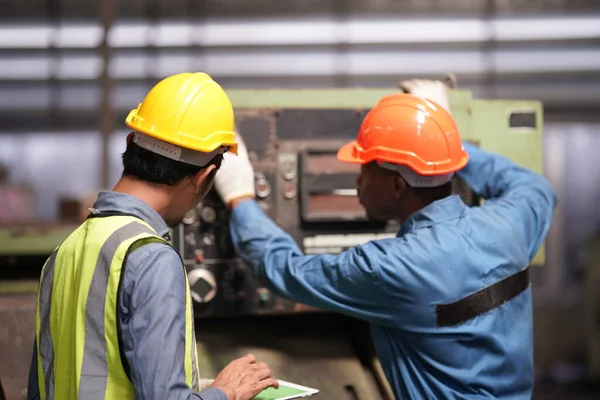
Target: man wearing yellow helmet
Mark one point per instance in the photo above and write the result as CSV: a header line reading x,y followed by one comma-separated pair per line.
x,y
114,318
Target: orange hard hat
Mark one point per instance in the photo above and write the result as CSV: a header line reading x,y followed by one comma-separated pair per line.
x,y
406,130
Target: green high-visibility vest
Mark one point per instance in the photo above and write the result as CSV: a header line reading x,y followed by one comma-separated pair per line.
x,y
79,356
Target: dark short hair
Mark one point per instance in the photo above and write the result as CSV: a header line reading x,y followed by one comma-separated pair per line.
x,y
147,166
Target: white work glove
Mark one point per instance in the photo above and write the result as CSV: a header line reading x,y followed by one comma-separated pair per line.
x,y
235,178
436,91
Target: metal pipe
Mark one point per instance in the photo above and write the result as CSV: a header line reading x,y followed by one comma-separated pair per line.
x,y
106,112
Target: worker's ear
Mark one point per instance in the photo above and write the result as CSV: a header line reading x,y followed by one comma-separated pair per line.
x,y
204,179
129,138
400,187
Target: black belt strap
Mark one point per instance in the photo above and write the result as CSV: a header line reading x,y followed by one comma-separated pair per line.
x,y
483,300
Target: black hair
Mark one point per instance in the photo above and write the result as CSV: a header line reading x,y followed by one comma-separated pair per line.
x,y
147,166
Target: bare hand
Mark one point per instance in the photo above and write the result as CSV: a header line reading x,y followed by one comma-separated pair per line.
x,y
244,378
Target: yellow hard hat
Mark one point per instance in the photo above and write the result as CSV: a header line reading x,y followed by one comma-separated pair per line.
x,y
187,110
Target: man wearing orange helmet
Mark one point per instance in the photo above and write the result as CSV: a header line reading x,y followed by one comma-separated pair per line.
x,y
448,299
114,315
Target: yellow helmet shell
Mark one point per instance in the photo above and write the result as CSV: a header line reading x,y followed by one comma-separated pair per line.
x,y
189,110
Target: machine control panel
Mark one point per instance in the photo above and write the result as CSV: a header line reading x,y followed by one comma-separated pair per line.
x,y
299,184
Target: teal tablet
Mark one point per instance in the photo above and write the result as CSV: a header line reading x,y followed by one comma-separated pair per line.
x,y
286,391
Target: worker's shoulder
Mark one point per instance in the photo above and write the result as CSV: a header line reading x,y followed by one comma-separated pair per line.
x,y
151,268
153,255
431,243
498,216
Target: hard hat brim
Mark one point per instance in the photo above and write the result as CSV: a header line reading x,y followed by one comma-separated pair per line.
x,y
346,154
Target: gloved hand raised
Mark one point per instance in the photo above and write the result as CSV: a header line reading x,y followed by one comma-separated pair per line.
x,y
436,91
235,178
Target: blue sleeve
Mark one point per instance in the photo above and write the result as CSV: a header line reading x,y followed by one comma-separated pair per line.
x,y
153,325
348,283
520,194
33,389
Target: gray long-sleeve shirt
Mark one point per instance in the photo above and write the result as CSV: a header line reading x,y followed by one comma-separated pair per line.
x,y
152,317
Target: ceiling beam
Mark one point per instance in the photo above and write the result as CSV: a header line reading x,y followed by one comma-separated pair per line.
x,y
86,9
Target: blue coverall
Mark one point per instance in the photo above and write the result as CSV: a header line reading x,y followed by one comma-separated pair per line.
x,y
443,253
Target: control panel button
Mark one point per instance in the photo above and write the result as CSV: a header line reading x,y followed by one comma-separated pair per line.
x,y
263,188
289,190
208,214
288,170
288,166
203,286
208,240
190,217
190,239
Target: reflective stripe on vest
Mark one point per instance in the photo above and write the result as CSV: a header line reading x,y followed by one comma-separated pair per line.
x,y
76,326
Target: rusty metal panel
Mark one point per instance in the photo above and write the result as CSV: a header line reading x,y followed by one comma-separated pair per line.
x,y
261,135
319,124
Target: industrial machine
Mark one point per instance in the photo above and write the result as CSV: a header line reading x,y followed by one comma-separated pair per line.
x,y
303,187
292,137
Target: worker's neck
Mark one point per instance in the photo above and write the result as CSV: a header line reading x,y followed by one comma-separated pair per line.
x,y
156,196
407,208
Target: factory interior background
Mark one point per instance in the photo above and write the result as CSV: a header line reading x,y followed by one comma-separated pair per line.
x,y
70,71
